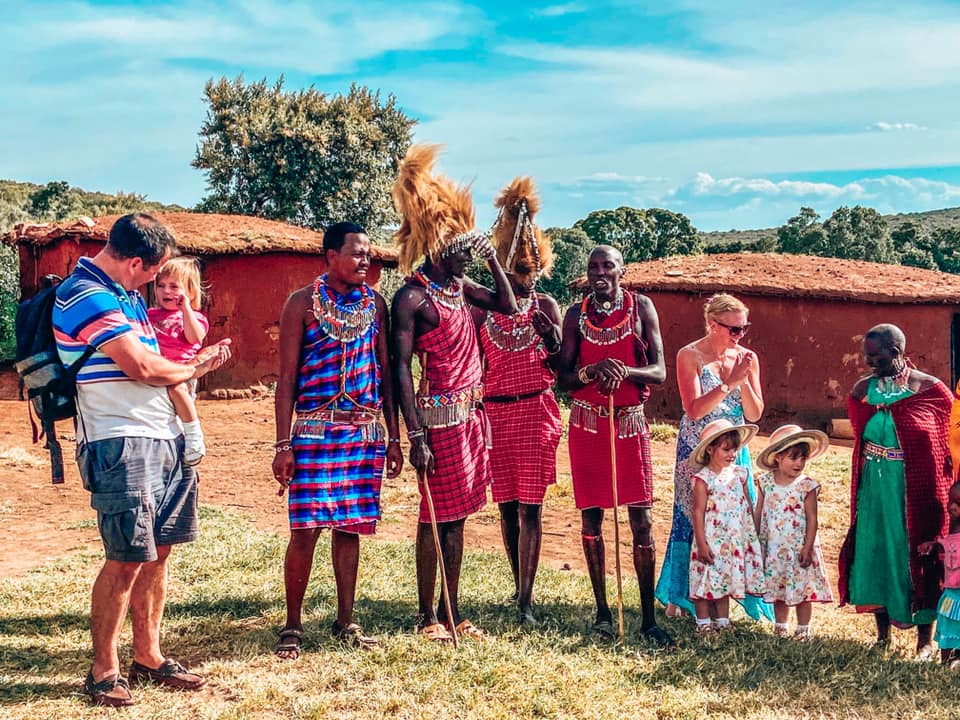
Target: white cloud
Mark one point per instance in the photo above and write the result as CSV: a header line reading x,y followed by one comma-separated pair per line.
x,y
315,38
569,8
763,202
888,126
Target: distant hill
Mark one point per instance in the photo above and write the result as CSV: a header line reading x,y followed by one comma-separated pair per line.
x,y
16,207
930,220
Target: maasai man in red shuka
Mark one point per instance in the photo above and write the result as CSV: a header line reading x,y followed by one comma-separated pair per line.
x,y
445,422
612,347
520,356
335,372
900,481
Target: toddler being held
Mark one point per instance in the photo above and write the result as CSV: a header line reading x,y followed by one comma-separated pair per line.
x,y
181,329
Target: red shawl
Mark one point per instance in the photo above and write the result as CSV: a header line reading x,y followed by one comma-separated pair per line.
x,y
922,423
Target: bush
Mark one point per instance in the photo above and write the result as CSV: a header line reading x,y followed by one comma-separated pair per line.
x,y
9,296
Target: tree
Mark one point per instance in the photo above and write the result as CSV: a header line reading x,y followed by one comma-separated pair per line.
x,y
642,234
859,233
301,156
912,245
571,249
55,202
945,247
802,235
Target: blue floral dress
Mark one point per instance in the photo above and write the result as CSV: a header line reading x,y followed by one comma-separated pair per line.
x,y
673,585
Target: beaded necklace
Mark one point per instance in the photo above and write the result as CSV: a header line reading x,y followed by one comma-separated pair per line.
x,y
343,322
606,336
606,307
522,335
893,385
450,296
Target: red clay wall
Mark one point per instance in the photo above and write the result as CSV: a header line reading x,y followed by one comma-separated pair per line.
x,y
57,258
809,349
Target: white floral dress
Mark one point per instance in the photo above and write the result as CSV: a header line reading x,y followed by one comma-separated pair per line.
x,y
737,568
783,527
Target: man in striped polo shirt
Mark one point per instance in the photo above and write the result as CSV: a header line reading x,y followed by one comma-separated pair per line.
x,y
129,448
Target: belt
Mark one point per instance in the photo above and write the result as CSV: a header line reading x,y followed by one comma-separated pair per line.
x,y
513,398
881,452
342,417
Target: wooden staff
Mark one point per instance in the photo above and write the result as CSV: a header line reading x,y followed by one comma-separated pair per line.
x,y
444,588
616,519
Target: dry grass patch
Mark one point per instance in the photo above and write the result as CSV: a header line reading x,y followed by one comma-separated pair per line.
x,y
226,605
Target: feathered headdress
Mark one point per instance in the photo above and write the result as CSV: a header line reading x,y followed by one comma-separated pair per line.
x,y
515,235
438,215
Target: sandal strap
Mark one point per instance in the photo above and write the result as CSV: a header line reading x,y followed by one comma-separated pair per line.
x,y
105,685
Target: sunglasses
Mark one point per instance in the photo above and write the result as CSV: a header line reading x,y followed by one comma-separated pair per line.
x,y
735,329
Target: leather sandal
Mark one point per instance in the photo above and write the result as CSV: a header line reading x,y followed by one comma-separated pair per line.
x,y
352,636
603,629
112,691
436,633
170,674
467,629
659,637
288,643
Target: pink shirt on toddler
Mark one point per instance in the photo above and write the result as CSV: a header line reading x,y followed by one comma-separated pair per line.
x,y
168,325
951,560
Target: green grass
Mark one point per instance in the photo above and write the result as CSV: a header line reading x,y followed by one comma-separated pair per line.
x,y
226,606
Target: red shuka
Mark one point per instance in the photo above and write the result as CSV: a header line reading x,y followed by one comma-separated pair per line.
x,y
922,423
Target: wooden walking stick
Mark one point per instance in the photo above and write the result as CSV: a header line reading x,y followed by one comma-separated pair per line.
x,y
445,590
616,519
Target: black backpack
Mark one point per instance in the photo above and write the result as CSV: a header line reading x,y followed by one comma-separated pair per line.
x,y
51,387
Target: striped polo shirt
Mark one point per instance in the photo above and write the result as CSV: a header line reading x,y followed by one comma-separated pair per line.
x,y
92,309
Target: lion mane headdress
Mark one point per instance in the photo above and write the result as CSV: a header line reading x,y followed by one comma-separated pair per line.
x,y
438,214
516,236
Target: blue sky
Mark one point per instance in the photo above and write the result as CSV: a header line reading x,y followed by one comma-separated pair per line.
x,y
734,113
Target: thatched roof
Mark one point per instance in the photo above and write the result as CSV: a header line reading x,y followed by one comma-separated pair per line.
x,y
800,276
199,234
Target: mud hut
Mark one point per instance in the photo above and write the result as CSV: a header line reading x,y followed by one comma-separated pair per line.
x,y
249,264
808,317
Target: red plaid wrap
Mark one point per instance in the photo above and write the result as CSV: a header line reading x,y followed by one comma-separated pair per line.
x,y
526,432
458,485
922,423
450,360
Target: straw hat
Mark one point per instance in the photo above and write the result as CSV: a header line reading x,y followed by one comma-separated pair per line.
x,y
714,430
787,436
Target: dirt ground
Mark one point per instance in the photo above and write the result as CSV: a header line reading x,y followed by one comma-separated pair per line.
x,y
40,521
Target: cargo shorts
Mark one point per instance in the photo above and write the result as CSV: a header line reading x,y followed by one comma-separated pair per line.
x,y
144,495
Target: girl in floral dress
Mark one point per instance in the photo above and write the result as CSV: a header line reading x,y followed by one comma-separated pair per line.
x,y
787,516
725,558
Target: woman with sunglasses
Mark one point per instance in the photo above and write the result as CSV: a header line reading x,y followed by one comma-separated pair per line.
x,y
718,378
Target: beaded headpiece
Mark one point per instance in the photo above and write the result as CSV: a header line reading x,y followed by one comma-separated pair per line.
x,y
516,236
438,214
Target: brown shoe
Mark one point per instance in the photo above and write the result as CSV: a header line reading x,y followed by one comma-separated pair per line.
x,y
112,691
170,674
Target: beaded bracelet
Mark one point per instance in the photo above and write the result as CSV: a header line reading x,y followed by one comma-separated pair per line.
x,y
285,441
283,447
413,434
393,440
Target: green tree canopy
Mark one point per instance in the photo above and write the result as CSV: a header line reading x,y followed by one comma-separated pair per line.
x,y
301,156
642,234
802,234
54,202
571,249
859,233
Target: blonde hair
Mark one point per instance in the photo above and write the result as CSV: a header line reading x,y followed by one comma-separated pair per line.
x,y
186,272
718,305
